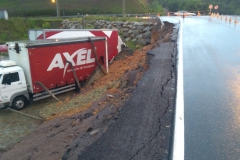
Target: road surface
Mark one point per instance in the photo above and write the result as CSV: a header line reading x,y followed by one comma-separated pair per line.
x,y
211,67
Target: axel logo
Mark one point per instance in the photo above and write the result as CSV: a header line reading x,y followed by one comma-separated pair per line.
x,y
83,57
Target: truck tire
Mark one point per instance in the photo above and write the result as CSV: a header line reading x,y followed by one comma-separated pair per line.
x,y
19,103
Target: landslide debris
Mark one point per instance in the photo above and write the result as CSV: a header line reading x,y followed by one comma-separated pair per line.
x,y
125,70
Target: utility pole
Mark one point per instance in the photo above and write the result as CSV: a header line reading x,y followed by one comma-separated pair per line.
x,y
57,8
56,1
123,8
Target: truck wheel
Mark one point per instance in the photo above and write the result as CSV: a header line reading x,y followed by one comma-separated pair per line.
x,y
19,103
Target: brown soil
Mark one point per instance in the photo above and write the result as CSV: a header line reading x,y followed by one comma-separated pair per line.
x,y
88,120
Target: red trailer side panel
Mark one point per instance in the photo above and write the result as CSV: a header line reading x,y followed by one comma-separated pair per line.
x,y
48,63
111,35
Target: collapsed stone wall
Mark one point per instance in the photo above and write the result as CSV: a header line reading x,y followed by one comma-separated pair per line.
x,y
138,32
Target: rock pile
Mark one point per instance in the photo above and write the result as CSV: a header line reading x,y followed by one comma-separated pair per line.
x,y
66,24
138,32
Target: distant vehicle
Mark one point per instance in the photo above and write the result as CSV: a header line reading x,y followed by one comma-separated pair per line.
x,y
186,13
4,14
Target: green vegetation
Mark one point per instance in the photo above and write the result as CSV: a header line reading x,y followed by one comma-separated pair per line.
x,y
17,28
113,18
155,7
130,44
4,54
133,45
26,8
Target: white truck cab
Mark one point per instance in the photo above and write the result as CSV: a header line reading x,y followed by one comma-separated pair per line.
x,y
13,87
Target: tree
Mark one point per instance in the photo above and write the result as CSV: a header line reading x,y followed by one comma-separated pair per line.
x,y
193,5
155,7
173,5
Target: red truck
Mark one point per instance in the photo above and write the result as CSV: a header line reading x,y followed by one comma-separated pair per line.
x,y
114,41
39,68
3,48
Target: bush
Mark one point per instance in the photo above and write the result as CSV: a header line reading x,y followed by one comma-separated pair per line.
x,y
46,25
133,45
112,18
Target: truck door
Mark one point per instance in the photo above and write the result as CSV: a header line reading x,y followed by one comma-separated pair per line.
x,y
10,85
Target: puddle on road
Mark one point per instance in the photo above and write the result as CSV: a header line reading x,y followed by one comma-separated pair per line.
x,y
14,127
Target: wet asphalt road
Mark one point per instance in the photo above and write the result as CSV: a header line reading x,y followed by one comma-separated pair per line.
x,y
211,66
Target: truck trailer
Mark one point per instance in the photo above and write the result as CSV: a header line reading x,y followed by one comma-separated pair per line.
x,y
36,69
115,43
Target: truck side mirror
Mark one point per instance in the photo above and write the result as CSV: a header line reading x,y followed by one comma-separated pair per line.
x,y
17,48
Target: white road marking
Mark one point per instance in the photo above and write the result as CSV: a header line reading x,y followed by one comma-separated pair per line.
x,y
178,137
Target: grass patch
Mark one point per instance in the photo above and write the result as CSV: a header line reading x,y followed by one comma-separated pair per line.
x,y
25,8
108,18
112,18
4,54
133,45
17,28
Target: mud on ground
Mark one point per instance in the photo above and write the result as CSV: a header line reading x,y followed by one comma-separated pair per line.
x,y
88,114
